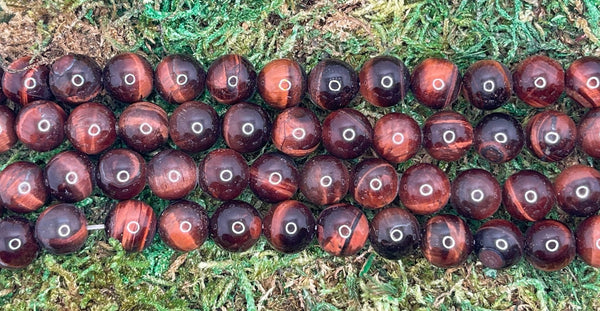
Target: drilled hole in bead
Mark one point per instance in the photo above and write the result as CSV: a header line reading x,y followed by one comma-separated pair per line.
x,y
552,245
582,192
501,244
375,184
174,176
438,84
197,127
226,175
233,81
71,178
489,86
133,227
14,244
387,81
501,138
275,178
426,190
291,228
593,83
123,176
326,181
449,136
24,187
30,83
531,196
552,138
477,195
285,85
448,242
77,80
349,134
94,130
398,138
396,234
238,227
145,128
247,128
185,226
129,79
344,231
64,231
44,125
299,133
540,82
181,79
334,85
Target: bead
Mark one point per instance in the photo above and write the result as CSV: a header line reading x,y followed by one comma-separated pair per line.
x,y
324,180
394,233
194,126
143,126
246,127
296,131
578,190
384,81
235,226
487,84
498,244
231,79
528,195
396,137
424,189
274,177
133,223
22,187
588,240
447,241
588,130
61,229
183,226
179,78
282,83
18,247
121,174
551,135
539,81
75,79
374,183
69,176
172,174
549,245
498,137
8,136
289,226
476,194
332,84
24,84
40,125
342,230
582,81
128,77
447,136
347,133
223,174
91,128
435,83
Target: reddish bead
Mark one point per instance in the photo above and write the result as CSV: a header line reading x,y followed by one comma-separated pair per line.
x,y
144,127
18,247
498,137
588,240
223,174
274,177
8,136
332,84
133,223
324,180
447,241
539,81
424,189
551,135
282,83
235,226
394,233
342,230
384,81
75,79
172,174
121,174
69,176
289,226
24,84
487,84
231,79
578,190
396,137
179,78
435,83
347,133
296,131
128,77
40,125
246,127
447,136
498,244
183,226
22,187
588,138
583,81
194,126
61,229
528,195
91,128
549,245
476,194
374,183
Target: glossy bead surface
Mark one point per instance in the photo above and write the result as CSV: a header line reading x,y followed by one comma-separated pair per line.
x,y
424,189
274,177
324,180
75,79
18,247
231,79
578,190
143,126
539,81
342,230
435,83
69,176
528,195
246,127
549,245
394,233
296,131
588,128
128,77
133,223
396,137
447,241
194,126
289,226
172,174
498,244
91,128
121,173
447,136
282,83
179,78
40,125
374,183
588,240
476,194
498,137
347,133
235,226
384,81
183,226
332,84
582,81
8,136
487,84
22,187
551,135
24,85
223,174
61,229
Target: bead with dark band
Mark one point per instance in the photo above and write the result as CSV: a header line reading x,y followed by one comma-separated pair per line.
x,y
342,230
75,79
551,135
282,83
61,228
384,81
274,177
447,241
498,244
231,79
24,82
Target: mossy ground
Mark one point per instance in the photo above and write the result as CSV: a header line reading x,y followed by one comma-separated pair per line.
x,y
103,276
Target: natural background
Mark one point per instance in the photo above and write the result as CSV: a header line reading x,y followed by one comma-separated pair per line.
x,y
103,276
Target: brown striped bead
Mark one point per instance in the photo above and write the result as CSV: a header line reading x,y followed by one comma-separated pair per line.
x,y
549,245
342,230
498,244
578,190
194,126
172,174
539,81
394,233
91,128
296,131
75,79
61,228
588,240
447,136
435,83
384,81
583,81
144,127
231,79
40,125
133,223
128,77
274,177
424,189
528,195
22,187
223,174
235,226
324,180
18,247
8,136
396,137
475,194
498,137
347,133
183,226
179,78
551,135
24,83
588,133
332,84
69,176
282,83
487,84
121,173
289,226
447,241
374,183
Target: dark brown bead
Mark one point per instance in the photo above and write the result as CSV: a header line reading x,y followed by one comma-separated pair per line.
x,y
588,240
24,82
424,189
498,244
133,223
296,131
324,180
394,233
476,194
8,136
551,135
246,127
374,183
487,84
144,127
447,241
342,230
282,83
235,226
121,174
498,137
539,81
396,137
447,136
384,81
61,229
582,81
332,84
223,174
183,226
588,138
347,133
91,128
22,187
274,177
75,79
179,78
528,195
172,174
40,125
69,176
194,126
435,83
289,226
128,77
549,245
18,247
578,190
231,79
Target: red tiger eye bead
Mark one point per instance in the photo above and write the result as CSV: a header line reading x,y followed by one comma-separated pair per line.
x,y
133,223
128,77
528,195
578,190
342,230
282,83
447,136
476,194
143,126
487,84
447,241
223,174
24,85
274,177
91,128
583,81
289,226
61,228
246,127
75,79
231,79
551,135
296,131
8,136
588,240
121,174
18,247
183,226
384,81
539,81
498,137
172,174
424,189
22,187
549,245
394,233
235,226
194,126
374,183
69,176
40,125
396,137
324,180
498,244
435,83
179,78
588,137
347,133
332,84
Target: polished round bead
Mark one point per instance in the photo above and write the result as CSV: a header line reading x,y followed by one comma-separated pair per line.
x,y
347,133
121,174
396,137
69,176
22,187
332,84
282,83
424,189
194,126
374,183
582,81
8,136
588,133
447,136
61,228
384,81
40,125
246,127
588,240
274,177
75,79
231,79
289,226
539,81
223,174
172,174
179,78
324,180
342,230
133,223
435,83
476,194
128,77
549,245
578,190
498,244
296,131
498,137
394,233
235,226
23,84
447,241
551,135
144,127
91,128
183,226
487,84
18,247
528,195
